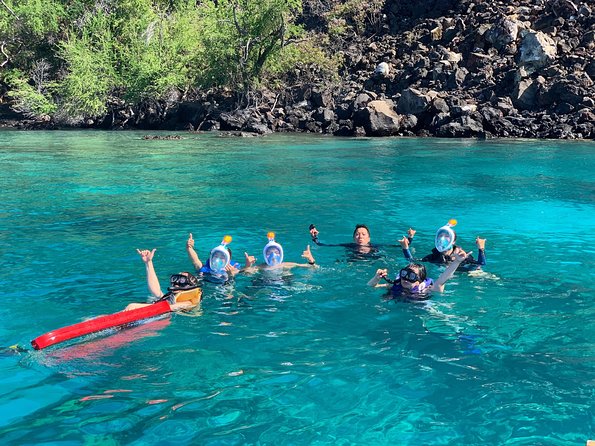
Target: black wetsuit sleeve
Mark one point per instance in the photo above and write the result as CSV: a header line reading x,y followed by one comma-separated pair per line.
x,y
481,258
319,243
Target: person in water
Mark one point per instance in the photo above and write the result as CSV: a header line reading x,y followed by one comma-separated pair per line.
x,y
412,282
361,236
219,267
183,291
273,257
361,247
445,257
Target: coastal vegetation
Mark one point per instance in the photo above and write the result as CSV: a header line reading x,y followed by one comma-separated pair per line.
x,y
74,57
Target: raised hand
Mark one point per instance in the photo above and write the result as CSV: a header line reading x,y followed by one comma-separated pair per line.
x,y
404,242
250,260
411,232
459,255
480,242
231,270
190,242
308,255
380,273
313,232
146,255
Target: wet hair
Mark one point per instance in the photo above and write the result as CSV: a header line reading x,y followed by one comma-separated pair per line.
x,y
360,226
421,268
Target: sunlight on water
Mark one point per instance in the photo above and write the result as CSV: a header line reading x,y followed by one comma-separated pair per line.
x,y
504,356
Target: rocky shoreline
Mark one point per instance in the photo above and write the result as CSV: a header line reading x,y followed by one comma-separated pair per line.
x,y
447,69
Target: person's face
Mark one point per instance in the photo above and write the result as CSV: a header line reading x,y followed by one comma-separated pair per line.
x,y
273,256
361,236
218,261
406,282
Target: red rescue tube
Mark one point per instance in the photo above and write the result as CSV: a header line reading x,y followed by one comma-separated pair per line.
x,y
98,324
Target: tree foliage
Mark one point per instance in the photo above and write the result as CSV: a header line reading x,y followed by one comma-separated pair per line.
x,y
95,51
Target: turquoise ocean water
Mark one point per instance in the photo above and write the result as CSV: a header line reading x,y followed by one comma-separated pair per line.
x,y
313,357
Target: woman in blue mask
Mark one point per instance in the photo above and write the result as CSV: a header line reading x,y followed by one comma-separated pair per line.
x,y
273,257
220,267
443,252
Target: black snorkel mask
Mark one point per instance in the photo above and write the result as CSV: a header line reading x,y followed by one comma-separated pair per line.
x,y
182,282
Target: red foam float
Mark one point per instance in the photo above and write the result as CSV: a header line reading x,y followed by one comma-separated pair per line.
x,y
98,324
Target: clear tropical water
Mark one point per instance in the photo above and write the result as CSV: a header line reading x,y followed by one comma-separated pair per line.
x,y
506,357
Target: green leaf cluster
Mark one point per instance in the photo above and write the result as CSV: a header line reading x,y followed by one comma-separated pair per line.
x,y
95,52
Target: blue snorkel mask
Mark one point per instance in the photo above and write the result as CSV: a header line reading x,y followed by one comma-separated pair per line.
x,y
445,236
219,257
272,251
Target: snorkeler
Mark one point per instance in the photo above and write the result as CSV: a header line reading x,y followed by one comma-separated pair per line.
x,y
362,247
443,253
273,257
219,268
412,283
183,292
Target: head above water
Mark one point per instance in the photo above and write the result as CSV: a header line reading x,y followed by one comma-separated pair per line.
x,y
361,235
446,237
182,281
272,251
412,275
220,256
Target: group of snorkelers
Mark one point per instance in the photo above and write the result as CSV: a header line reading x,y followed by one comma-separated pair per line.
x,y
411,282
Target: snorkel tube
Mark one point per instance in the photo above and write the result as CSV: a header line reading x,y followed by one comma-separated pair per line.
x,y
219,257
272,251
445,236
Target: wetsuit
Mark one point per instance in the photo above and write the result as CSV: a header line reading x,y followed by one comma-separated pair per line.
x,y
420,292
355,252
439,258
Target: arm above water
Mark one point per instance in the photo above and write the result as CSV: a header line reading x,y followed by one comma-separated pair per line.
x,y
405,242
375,281
307,254
481,255
314,234
192,255
459,256
152,281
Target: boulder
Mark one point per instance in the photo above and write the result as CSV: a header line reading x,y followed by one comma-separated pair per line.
x,y
413,102
321,98
537,50
463,127
382,69
524,96
379,119
234,120
502,33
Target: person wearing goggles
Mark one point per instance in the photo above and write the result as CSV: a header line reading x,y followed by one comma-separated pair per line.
x,y
184,291
412,283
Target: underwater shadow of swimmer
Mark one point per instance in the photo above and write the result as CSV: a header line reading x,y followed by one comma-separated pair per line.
x,y
93,347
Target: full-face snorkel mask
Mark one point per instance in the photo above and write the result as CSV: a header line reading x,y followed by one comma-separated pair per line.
x,y
445,236
219,257
272,251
